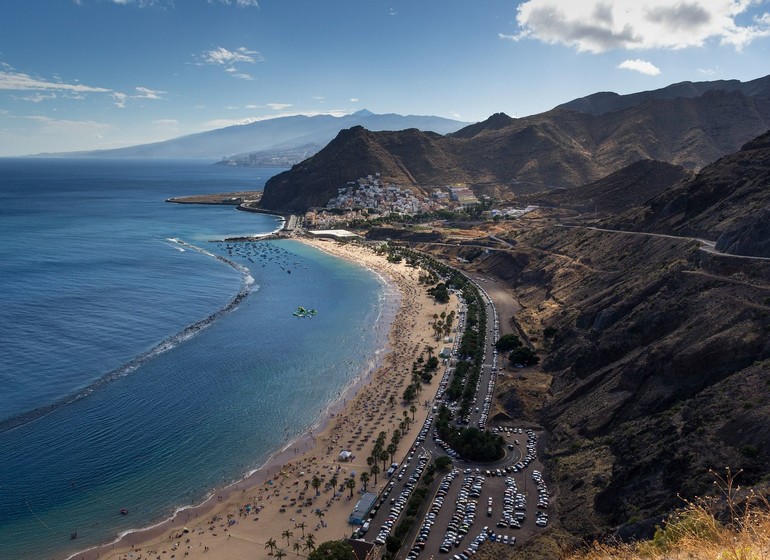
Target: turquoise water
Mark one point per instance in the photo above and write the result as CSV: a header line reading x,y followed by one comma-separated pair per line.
x,y
109,399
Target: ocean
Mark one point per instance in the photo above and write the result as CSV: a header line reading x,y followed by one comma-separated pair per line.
x,y
145,362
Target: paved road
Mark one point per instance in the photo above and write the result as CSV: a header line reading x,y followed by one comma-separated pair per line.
x,y
706,245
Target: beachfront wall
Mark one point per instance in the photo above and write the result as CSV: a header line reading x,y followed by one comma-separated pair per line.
x,y
362,509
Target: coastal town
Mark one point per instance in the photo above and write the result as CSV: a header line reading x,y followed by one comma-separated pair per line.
x,y
370,198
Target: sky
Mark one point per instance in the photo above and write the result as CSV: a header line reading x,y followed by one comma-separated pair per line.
x,y
95,74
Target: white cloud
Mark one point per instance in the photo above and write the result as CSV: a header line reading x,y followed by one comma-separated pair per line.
x,y
38,97
354,99
166,122
239,3
142,93
601,25
146,93
641,66
170,3
141,3
120,99
222,56
279,106
11,80
50,89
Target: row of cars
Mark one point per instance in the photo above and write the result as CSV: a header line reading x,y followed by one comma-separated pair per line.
x,y
464,514
445,446
531,447
514,506
430,518
482,423
400,503
541,517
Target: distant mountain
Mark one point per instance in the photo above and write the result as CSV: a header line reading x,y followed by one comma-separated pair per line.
x,y
561,148
281,134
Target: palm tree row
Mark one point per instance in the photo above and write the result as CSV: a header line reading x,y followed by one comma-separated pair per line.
x,y
309,545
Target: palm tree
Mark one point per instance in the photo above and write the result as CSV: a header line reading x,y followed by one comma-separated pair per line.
x,y
396,437
271,544
351,484
392,401
375,470
384,457
287,534
316,482
310,542
301,527
319,512
297,547
412,409
333,482
392,450
364,476
280,553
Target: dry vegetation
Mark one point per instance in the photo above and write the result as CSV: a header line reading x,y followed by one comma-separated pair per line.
x,y
731,528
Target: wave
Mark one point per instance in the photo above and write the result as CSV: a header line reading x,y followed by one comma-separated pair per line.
x,y
164,346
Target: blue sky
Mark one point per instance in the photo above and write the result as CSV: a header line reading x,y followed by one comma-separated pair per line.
x,y
90,74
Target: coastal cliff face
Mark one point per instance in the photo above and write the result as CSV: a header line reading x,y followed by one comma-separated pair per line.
x,y
560,148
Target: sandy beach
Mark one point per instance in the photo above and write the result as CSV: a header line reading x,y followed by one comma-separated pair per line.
x,y
278,503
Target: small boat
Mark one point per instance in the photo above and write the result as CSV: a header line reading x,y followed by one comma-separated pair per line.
x,y
123,511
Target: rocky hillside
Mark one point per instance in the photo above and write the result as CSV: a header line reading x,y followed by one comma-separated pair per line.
x,y
408,157
660,364
728,201
659,369
559,148
617,192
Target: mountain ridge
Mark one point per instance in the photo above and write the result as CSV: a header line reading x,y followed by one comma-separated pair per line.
x,y
558,148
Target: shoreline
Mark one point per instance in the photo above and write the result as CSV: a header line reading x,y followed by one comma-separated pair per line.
x,y
304,452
